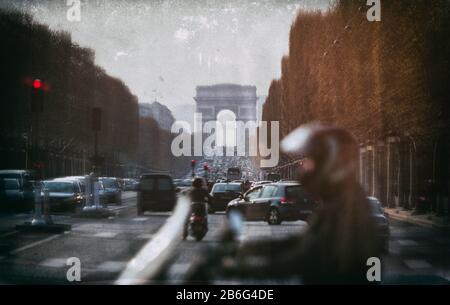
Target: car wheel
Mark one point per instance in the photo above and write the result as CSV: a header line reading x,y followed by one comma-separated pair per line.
x,y
273,218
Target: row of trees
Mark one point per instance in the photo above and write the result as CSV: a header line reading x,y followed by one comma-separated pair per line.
x,y
378,79
30,50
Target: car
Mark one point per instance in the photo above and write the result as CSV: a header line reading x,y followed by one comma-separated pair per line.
x,y
156,192
64,195
182,184
129,184
256,183
223,193
274,203
382,223
19,190
112,189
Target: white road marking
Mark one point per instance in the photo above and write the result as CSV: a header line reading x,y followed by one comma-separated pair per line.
x,y
37,243
407,242
417,264
106,234
140,219
144,236
8,234
54,262
111,266
180,268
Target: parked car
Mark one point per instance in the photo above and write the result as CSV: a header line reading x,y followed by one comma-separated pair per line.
x,y
129,184
274,203
222,194
112,190
19,190
64,195
382,223
156,192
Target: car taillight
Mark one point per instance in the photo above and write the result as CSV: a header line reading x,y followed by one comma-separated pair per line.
x,y
284,200
196,218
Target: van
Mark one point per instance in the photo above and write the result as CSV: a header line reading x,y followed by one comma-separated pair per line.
x,y
156,192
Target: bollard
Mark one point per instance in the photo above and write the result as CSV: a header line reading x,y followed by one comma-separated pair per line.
x,y
42,220
46,207
38,219
97,195
93,207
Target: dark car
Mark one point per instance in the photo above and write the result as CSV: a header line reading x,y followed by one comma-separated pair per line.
x,y
382,223
64,195
112,189
274,203
17,190
223,193
156,192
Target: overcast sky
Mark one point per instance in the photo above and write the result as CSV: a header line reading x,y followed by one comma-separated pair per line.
x,y
164,49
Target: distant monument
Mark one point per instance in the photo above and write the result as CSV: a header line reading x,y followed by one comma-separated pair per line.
x,y
241,100
230,102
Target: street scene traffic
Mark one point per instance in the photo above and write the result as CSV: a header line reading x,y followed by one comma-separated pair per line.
x,y
224,143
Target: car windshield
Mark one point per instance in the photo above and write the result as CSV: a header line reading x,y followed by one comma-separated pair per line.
x,y
164,184
110,183
11,184
218,188
59,187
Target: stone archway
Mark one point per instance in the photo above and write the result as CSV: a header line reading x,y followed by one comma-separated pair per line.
x,y
241,100
237,101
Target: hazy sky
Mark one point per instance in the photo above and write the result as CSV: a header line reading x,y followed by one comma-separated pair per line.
x,y
164,49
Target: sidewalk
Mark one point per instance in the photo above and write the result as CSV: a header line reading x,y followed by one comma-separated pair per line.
x,y
424,220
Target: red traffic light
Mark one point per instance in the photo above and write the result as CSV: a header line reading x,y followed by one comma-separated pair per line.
x,y
193,162
37,84
205,166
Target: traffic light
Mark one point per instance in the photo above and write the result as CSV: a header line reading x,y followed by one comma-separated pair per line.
x,y
205,166
96,119
193,162
37,96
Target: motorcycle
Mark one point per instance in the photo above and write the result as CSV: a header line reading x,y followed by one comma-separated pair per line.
x,y
198,221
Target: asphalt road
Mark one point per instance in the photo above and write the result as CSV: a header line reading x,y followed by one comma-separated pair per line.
x,y
104,246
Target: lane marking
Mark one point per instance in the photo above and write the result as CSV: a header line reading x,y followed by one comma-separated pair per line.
x,y
8,234
37,243
407,242
106,234
144,236
54,262
112,266
140,219
417,264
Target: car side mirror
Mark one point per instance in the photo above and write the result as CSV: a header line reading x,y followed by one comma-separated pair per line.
x,y
240,196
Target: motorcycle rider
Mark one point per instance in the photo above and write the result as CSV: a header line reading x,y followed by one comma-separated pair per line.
x,y
198,194
341,235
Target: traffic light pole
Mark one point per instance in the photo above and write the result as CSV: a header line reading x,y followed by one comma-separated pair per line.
x,y
92,207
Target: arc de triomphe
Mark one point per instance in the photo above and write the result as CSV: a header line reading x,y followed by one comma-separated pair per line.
x,y
241,100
